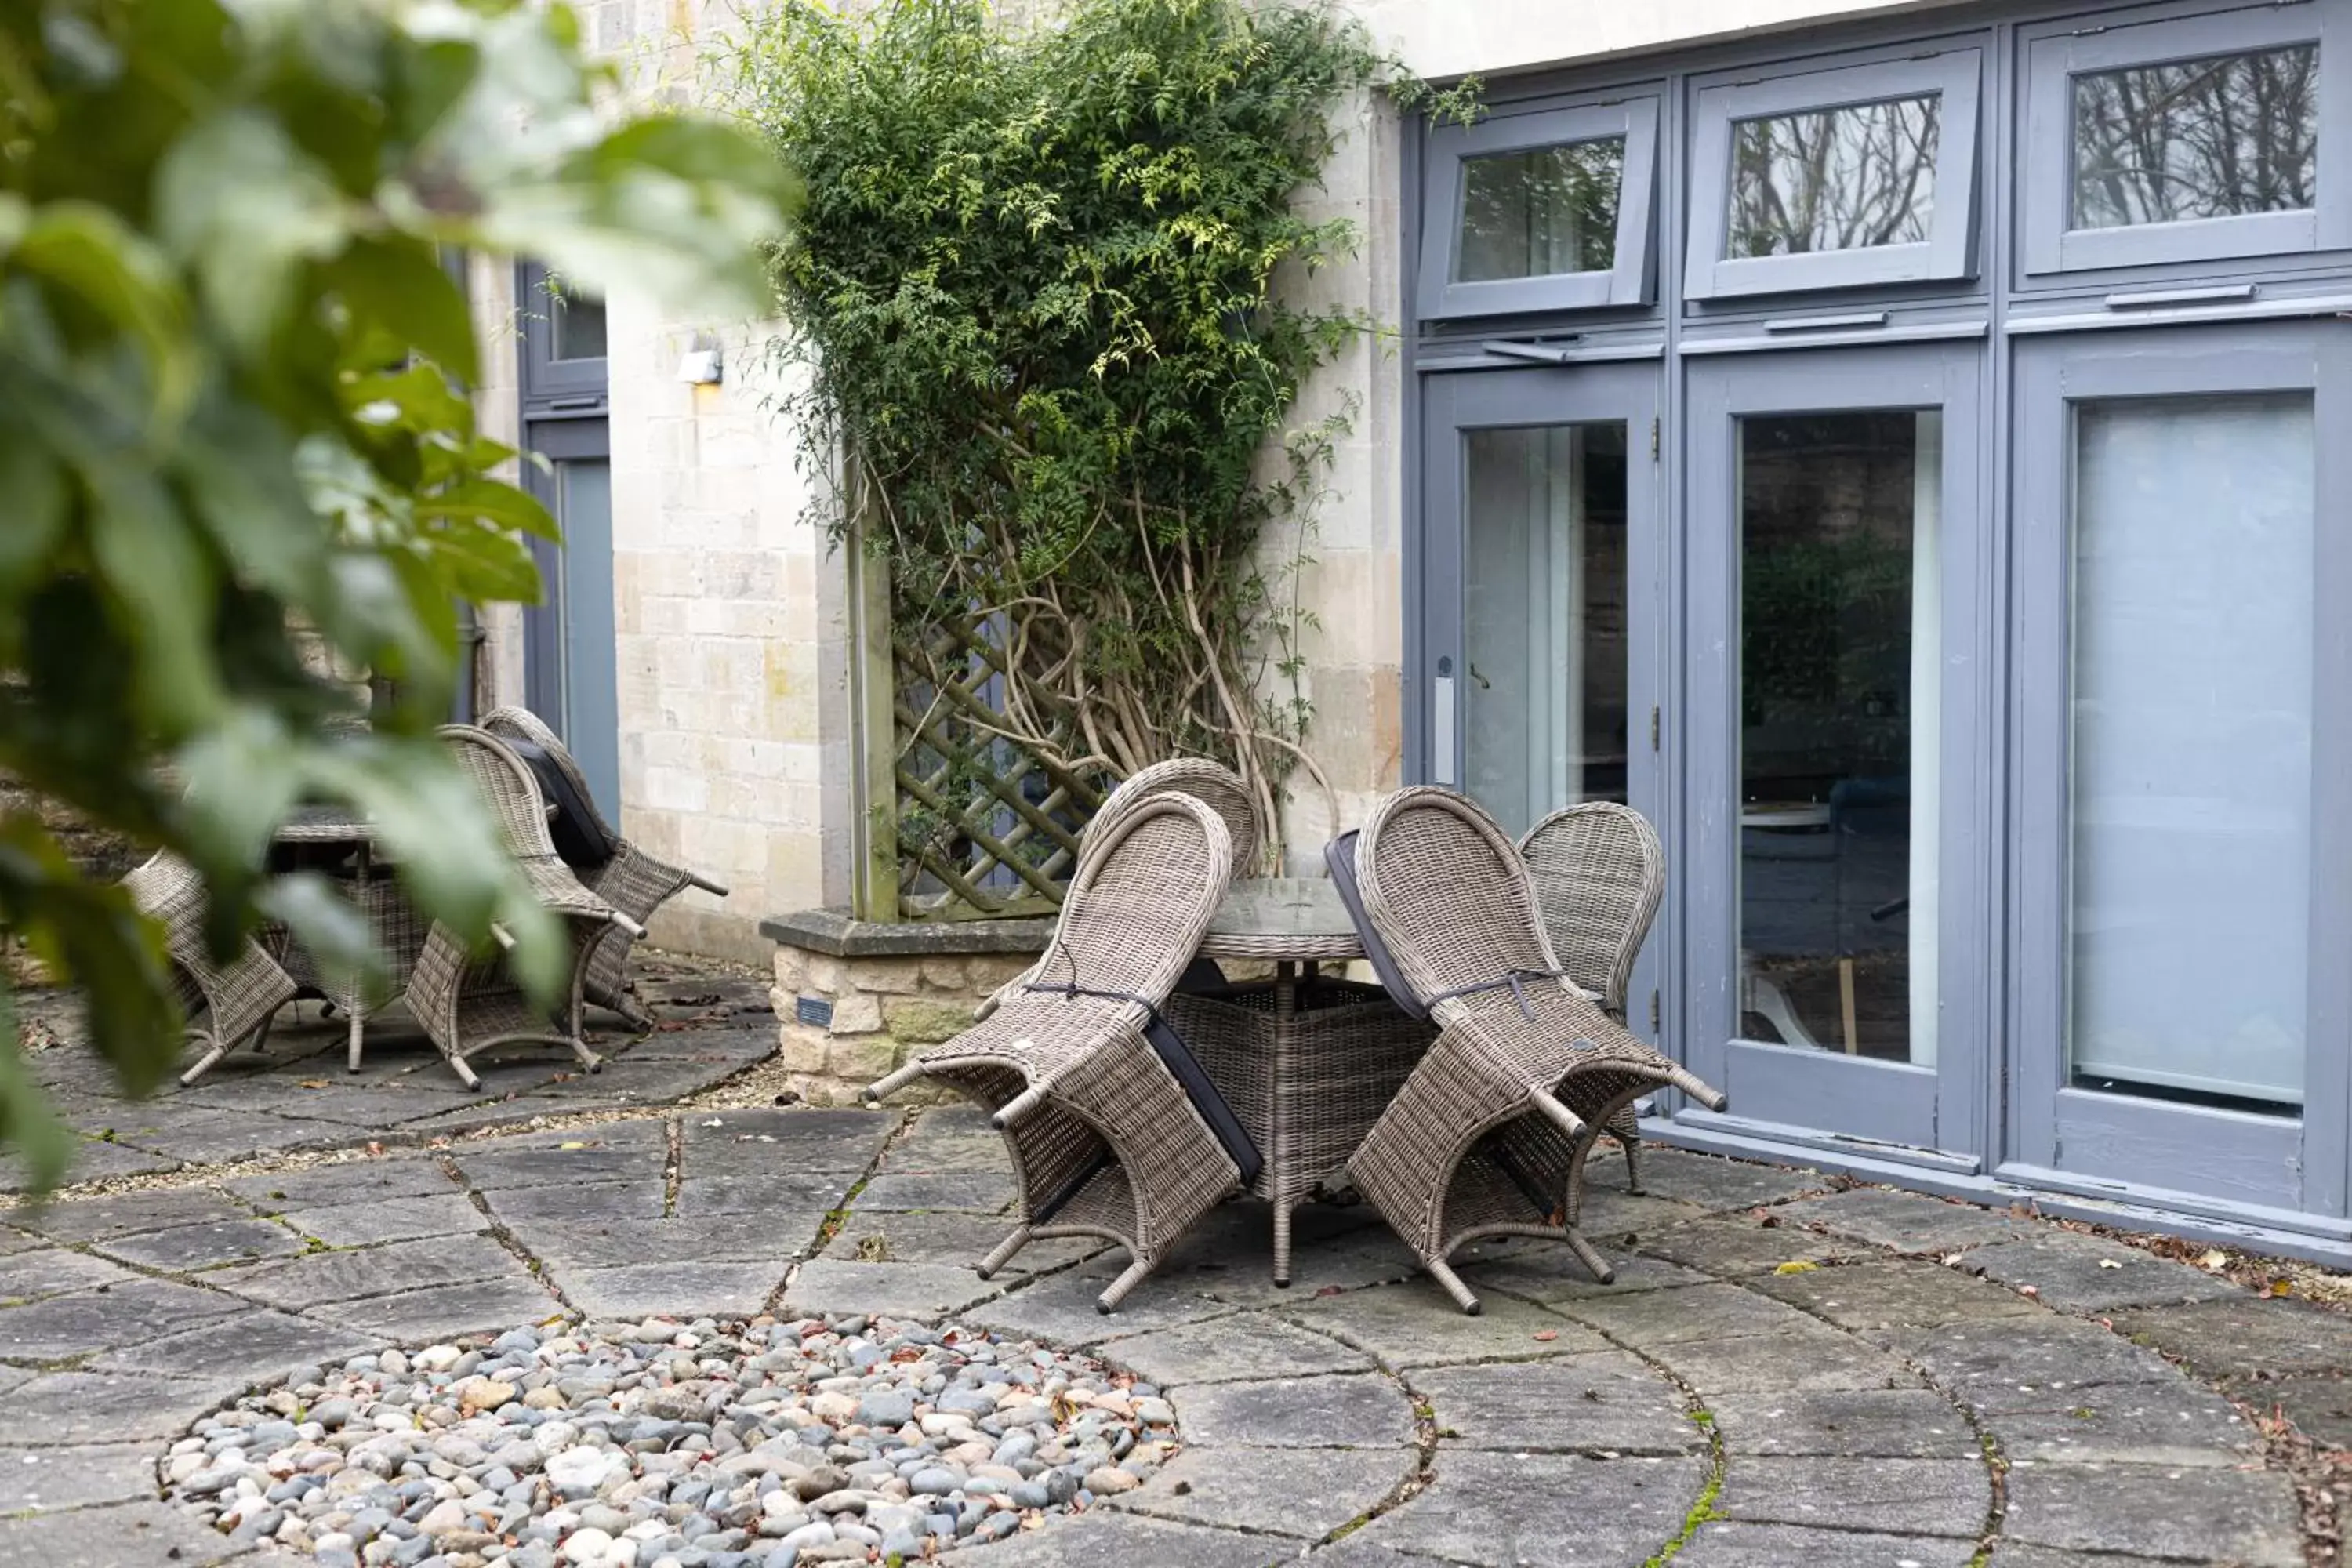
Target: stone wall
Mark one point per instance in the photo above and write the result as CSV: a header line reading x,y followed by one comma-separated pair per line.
x,y
854,1001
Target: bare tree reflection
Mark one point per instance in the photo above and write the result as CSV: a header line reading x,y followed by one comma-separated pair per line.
x,y
2197,139
1833,179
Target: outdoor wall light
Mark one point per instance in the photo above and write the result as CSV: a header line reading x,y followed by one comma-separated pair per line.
x,y
701,365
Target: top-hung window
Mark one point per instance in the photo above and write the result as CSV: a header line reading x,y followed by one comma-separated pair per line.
x,y
2186,138
1833,179
1544,209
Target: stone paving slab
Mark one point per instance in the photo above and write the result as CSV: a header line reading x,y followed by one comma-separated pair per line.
x,y
1891,1424
2245,1336
1247,1345
1736,1248
1302,1492
1396,1324
703,1193
1344,1410
2173,1423
53,1271
1899,1293
1714,1182
1586,1404
2017,1363
2320,1408
1733,1545
779,1237
2076,1273
97,1219
842,1143
907,1290
1100,1538
1819,1360
1907,1222
1672,1317
118,1537
104,1315
354,1181
958,1240
1890,1497
85,1407
684,1290
424,1317
187,1247
257,1347
326,1277
389,1219
966,1192
642,1199
1548,1273
63,1478
1543,1510
2234,1516
1061,1307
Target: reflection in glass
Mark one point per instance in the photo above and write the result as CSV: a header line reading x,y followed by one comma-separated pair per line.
x,y
580,591
2196,139
1544,618
2192,720
1541,212
579,321
1833,179
1839,519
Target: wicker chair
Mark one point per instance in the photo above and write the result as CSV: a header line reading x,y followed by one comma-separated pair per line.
x,y
1212,783
1489,1135
237,1000
1106,1142
468,1005
630,880
1598,872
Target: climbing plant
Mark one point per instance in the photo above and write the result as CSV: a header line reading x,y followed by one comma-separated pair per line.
x,y
1041,301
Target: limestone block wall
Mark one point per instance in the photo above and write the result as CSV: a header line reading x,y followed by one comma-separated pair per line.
x,y
872,1012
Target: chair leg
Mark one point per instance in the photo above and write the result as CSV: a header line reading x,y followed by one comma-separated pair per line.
x,y
1108,1301
588,1059
1001,1254
1443,1272
1590,1258
1281,1245
214,1051
466,1075
358,1036
1632,1147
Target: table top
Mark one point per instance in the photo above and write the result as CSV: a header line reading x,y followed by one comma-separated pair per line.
x,y
324,824
1295,918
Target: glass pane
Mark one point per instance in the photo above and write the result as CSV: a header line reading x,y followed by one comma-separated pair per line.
x,y
1544,618
2193,717
1839,519
590,719
1540,211
2194,139
579,323
1833,179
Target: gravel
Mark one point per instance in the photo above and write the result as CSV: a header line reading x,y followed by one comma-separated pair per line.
x,y
707,1444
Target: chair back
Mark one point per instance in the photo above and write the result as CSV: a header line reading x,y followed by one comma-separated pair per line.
x,y
1212,783
582,837
1598,872
1147,884
506,787
1449,896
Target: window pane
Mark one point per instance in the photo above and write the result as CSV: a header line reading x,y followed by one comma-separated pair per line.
x,y
579,324
1544,617
1833,179
2193,718
1838,520
2197,139
1541,212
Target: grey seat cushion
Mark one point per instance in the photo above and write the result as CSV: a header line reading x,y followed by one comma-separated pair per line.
x,y
1339,855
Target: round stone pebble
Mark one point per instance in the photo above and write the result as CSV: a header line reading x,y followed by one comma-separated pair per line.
x,y
702,1444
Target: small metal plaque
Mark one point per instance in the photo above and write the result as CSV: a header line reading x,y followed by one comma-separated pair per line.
x,y
814,1011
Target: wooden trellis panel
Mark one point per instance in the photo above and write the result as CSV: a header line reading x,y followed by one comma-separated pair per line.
x,y
984,828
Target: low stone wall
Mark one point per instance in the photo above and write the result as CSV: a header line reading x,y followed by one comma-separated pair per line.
x,y
853,1000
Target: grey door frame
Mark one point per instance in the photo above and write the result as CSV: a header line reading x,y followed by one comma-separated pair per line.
x,y
1453,402
565,408
1930,1115
2116,1145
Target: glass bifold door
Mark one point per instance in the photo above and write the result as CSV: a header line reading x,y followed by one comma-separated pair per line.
x,y
1833,741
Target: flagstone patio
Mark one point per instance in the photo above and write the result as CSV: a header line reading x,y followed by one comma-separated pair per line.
x,y
1783,1374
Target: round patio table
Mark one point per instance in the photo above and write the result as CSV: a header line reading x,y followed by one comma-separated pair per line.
x,y
399,933
1307,1063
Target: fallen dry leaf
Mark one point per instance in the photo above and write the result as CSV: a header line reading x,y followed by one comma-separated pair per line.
x,y
1547,1335
2109,1263
1796,1266
2215,1261
2033,1290
312,1083
572,1144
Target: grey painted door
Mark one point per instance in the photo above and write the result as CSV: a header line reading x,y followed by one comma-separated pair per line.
x,y
1834,795
2184,872
1539,642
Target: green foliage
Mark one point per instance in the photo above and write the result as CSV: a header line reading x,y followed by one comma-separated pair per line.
x,y
1043,297
224,417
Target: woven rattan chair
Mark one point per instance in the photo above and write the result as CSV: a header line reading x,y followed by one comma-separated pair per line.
x,y
630,880
1212,783
1106,1142
1489,1135
466,1004
235,1001
1598,872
